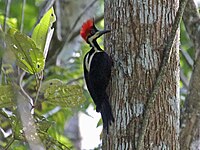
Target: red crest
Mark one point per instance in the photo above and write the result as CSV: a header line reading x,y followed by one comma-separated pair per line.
x,y
86,27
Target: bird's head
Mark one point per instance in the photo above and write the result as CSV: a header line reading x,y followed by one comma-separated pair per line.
x,y
89,32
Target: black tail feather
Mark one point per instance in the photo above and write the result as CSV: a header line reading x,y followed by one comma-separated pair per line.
x,y
106,114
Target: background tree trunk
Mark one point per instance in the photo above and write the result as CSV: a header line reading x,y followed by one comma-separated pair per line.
x,y
139,30
190,120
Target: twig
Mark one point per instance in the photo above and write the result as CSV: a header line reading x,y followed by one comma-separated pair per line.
x,y
9,143
48,4
184,79
40,78
22,89
79,17
167,54
6,14
52,112
22,21
58,21
75,80
187,57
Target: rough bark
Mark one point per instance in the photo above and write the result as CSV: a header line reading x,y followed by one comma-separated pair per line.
x,y
139,30
190,131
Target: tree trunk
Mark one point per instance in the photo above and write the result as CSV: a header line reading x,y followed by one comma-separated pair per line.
x,y
190,127
139,31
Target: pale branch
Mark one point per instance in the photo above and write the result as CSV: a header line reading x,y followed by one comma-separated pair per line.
x,y
165,61
52,112
184,79
22,89
58,20
74,80
187,57
46,6
78,18
39,84
7,11
9,144
22,21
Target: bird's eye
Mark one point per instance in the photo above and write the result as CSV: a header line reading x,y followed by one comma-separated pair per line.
x,y
93,31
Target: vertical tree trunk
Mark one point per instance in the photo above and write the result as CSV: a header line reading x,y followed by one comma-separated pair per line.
x,y
190,127
139,30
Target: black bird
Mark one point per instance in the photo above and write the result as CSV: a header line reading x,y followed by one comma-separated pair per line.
x,y
97,71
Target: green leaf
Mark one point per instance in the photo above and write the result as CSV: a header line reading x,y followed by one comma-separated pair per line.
x,y
29,57
51,143
11,22
6,96
43,124
58,93
42,33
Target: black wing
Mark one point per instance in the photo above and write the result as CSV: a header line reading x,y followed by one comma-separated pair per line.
x,y
98,77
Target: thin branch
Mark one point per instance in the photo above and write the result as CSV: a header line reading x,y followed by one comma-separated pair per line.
x,y
40,78
22,21
184,79
58,21
78,18
48,4
8,3
75,80
167,54
52,112
22,89
9,143
187,57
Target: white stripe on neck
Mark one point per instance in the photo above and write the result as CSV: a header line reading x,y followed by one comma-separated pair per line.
x,y
88,59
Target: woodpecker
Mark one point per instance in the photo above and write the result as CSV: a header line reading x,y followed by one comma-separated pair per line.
x,y
97,71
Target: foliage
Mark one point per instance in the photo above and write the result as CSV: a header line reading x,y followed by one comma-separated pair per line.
x,y
6,96
42,33
58,93
30,13
29,54
29,57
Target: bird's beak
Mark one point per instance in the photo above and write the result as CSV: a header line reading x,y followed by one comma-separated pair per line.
x,y
103,32
99,33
